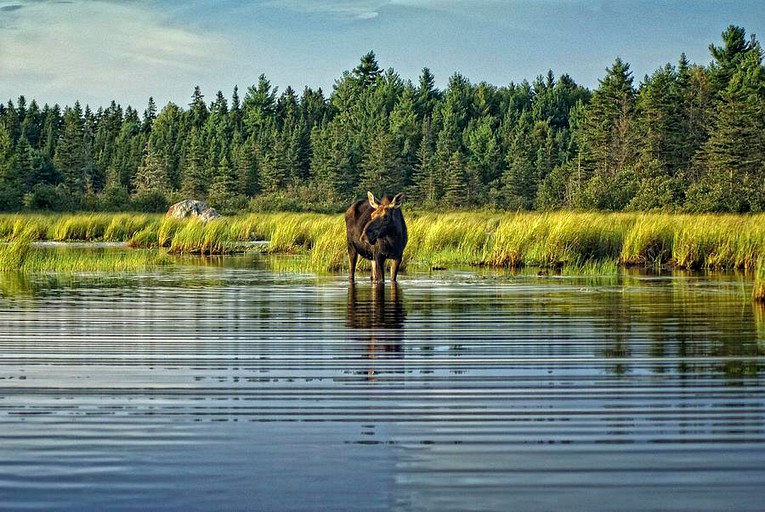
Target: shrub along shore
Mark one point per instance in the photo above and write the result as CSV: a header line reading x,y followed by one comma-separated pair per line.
x,y
577,240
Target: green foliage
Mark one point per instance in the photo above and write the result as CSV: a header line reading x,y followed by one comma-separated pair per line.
x,y
154,201
688,137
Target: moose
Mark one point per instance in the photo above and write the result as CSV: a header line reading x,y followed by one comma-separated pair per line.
x,y
376,230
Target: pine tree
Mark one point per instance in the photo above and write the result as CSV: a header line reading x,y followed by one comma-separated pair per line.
x,y
167,140
236,111
151,176
128,152
606,142
70,155
245,162
149,115
367,72
520,179
27,165
427,185
696,95
381,165
406,132
10,180
223,190
109,125
197,113
659,123
729,57
274,171
455,181
483,160
427,95
195,177
733,157
314,108
31,125
331,162
259,106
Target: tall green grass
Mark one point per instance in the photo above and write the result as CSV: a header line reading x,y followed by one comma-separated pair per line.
x,y
758,293
75,227
15,254
575,240
21,255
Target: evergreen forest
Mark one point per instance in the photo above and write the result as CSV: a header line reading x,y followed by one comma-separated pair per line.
x,y
685,138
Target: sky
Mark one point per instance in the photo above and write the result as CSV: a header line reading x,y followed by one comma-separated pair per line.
x,y
96,51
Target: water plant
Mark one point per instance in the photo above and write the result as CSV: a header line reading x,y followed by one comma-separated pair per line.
x,y
21,255
15,254
758,293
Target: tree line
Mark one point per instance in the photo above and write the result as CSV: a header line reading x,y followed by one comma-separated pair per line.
x,y
685,138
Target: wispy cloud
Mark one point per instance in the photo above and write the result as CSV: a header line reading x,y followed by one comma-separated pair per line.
x,y
88,48
358,9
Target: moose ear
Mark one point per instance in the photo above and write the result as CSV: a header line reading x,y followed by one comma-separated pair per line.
x,y
372,200
398,200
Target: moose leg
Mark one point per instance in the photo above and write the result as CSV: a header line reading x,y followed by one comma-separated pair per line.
x,y
352,257
394,269
378,270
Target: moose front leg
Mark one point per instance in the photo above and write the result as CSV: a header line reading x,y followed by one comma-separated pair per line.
x,y
352,257
378,270
394,269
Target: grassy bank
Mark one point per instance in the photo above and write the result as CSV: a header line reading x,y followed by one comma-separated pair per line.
x,y
572,240
119,227
20,255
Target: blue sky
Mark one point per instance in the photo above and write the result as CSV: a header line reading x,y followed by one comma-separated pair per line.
x,y
99,50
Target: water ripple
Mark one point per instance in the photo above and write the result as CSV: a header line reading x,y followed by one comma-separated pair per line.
x,y
230,389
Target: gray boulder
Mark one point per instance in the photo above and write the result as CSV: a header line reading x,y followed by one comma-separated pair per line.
x,y
192,208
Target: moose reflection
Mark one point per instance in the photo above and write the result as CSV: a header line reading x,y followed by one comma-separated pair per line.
x,y
379,320
367,308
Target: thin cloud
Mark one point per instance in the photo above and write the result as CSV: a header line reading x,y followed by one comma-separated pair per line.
x,y
87,49
358,9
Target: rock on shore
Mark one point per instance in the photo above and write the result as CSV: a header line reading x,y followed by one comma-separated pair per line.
x,y
192,208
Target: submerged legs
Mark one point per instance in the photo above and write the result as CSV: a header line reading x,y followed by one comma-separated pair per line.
x,y
394,269
352,257
378,270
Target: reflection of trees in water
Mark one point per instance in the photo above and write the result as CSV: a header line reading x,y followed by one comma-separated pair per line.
x,y
683,321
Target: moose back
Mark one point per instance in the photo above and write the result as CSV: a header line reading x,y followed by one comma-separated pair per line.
x,y
376,231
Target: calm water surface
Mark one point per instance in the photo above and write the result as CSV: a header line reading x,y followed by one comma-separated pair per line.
x,y
232,387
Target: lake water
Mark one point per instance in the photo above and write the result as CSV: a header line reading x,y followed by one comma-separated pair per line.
x,y
229,386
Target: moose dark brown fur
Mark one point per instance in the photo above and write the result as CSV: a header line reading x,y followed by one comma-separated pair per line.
x,y
376,231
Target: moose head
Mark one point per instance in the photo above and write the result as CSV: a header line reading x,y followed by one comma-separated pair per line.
x,y
382,217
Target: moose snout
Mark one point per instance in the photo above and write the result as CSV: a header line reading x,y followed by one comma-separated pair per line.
x,y
365,237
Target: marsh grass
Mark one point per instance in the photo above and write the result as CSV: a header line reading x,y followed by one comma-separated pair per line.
x,y
649,240
15,254
40,260
21,255
580,241
102,227
758,293
458,238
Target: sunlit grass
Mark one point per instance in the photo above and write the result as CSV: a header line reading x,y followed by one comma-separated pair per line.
x,y
581,241
758,293
21,256
102,227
